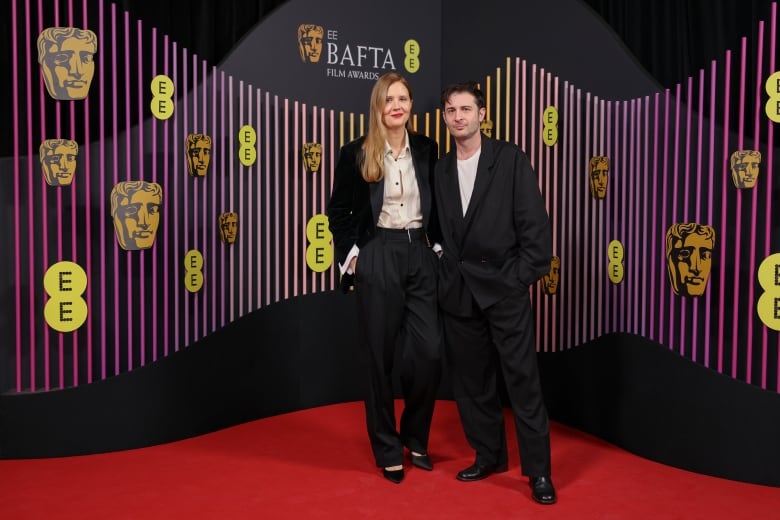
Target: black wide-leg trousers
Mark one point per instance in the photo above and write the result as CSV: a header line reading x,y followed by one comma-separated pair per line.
x,y
395,285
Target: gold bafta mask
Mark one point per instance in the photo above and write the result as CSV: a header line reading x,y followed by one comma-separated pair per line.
x,y
599,176
550,280
66,55
689,257
198,151
745,167
310,42
58,161
486,126
135,208
228,227
312,155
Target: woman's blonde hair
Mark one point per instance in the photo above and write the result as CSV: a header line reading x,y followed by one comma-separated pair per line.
x,y
372,163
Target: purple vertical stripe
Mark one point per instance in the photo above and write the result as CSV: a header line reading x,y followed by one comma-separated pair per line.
x,y
215,209
187,227
102,183
128,170
712,182
286,202
769,175
299,136
176,145
737,312
154,155
232,132
277,201
222,174
167,218
88,234
17,198
141,113
674,335
655,233
724,206
754,219
686,197
267,174
115,144
664,288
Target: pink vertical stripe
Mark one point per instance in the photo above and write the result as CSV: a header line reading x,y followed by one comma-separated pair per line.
x,y
769,176
17,197
754,216
141,113
166,214
712,181
738,218
724,206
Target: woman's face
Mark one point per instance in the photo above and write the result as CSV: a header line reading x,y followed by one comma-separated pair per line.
x,y
398,106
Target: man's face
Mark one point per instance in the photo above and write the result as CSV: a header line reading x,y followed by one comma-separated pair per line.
x,y
462,116
199,157
69,68
599,177
228,227
59,165
745,170
311,45
691,262
312,155
137,217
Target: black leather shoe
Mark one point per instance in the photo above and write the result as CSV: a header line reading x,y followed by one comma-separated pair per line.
x,y
480,471
542,490
393,475
422,461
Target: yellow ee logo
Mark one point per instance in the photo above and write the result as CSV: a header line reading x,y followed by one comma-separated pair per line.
x,y
615,253
247,137
411,56
193,270
162,97
65,283
768,306
550,122
773,103
319,254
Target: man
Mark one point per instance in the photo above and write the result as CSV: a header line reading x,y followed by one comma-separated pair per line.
x,y
496,243
66,55
58,161
689,257
135,208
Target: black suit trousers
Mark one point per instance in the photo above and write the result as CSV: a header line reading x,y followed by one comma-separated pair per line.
x,y
395,285
501,337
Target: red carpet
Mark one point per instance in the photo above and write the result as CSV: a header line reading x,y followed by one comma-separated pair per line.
x,y
317,464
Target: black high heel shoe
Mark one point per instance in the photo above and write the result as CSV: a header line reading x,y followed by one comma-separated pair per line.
x,y
393,475
422,461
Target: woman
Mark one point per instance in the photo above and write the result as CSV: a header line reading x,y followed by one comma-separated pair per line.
x,y
383,220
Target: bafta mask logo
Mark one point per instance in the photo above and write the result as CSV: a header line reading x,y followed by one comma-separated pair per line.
x,y
689,257
486,126
599,176
66,55
312,155
550,280
744,168
228,227
310,42
58,161
198,151
135,208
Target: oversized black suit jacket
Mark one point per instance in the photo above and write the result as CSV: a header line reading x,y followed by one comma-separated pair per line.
x,y
354,207
504,240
